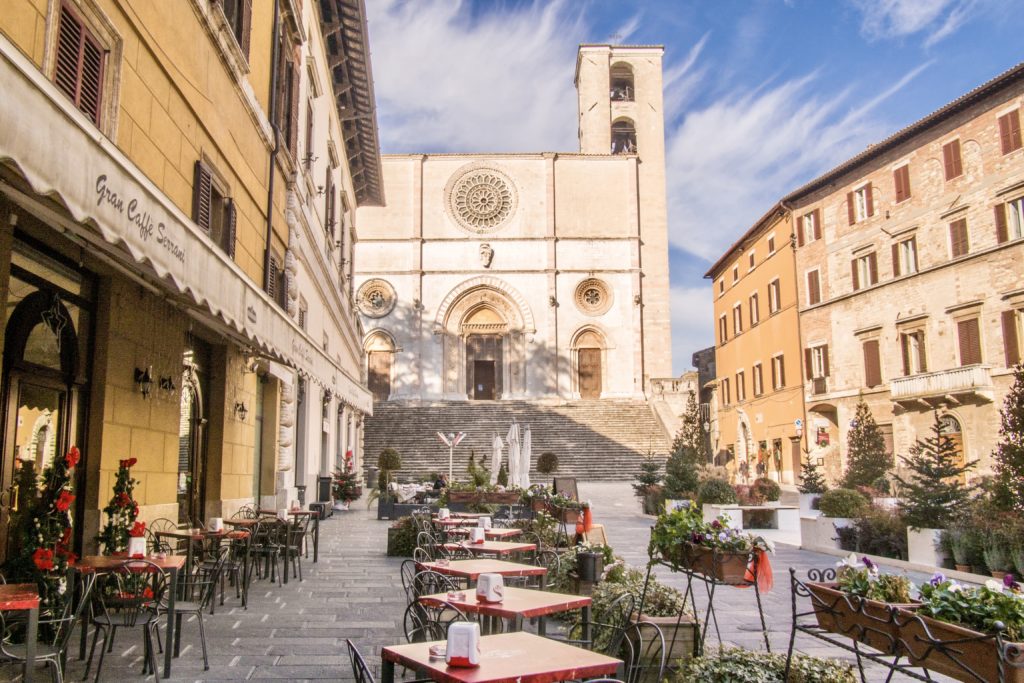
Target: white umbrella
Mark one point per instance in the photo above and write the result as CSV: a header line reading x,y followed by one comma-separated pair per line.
x,y
512,439
496,458
525,455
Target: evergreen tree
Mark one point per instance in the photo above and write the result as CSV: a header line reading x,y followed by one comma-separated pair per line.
x,y
691,432
934,493
681,473
866,460
1009,454
649,476
811,479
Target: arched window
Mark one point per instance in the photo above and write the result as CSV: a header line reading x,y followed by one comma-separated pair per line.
x,y
622,82
380,351
624,137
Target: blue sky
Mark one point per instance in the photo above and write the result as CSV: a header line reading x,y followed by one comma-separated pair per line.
x,y
760,95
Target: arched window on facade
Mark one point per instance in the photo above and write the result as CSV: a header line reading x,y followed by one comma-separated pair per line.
x,y
622,82
954,432
624,137
380,353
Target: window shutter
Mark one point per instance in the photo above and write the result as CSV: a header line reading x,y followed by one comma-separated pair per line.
x,y
775,374
92,79
69,41
873,267
782,371
872,364
824,360
293,118
232,216
1011,343
901,178
870,193
272,278
850,213
924,355
905,348
817,224
1015,141
1009,131
897,181
246,27
896,260
1002,233
913,252
905,172
800,231
80,61
808,367
958,237
813,287
856,275
202,188
967,332
951,159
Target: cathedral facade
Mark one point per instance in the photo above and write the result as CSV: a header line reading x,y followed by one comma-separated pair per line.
x,y
538,276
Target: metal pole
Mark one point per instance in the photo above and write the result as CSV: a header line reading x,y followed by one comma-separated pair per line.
x,y
451,453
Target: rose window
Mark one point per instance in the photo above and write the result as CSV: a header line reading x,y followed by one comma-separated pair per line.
x,y
481,200
593,297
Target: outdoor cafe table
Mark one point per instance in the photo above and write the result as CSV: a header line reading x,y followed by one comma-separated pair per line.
x,y
493,534
454,522
472,569
499,548
194,536
171,564
520,656
518,604
19,597
316,527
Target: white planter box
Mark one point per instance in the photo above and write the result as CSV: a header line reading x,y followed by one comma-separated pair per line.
x,y
827,536
732,513
806,501
886,503
809,532
923,547
787,519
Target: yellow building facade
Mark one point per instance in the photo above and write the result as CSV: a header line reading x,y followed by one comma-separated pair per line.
x,y
758,415
178,184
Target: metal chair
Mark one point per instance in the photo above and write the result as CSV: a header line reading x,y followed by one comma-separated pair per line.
x,y
360,671
128,597
55,631
422,624
236,568
643,653
420,556
295,538
269,537
408,572
199,590
430,582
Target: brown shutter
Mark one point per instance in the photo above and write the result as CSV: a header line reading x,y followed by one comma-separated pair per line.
x,y
905,348
202,188
246,26
782,371
897,181
872,364
808,368
951,159
272,278
800,231
923,351
824,359
1011,343
958,237
1002,233
856,275
69,41
817,224
870,192
92,79
1015,141
814,288
873,267
775,375
970,343
896,260
232,228
79,68
293,97
850,213
907,193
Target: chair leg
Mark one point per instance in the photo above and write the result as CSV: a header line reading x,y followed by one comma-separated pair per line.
x,y
152,628
103,653
202,639
113,632
177,629
92,650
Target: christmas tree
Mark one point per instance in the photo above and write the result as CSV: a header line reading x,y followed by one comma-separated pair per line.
x,y
649,476
121,511
867,460
681,478
691,432
934,492
1009,454
811,479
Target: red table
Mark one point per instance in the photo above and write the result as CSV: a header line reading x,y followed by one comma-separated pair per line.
x,y
316,529
519,604
454,522
194,536
19,597
490,534
507,657
472,569
171,564
499,548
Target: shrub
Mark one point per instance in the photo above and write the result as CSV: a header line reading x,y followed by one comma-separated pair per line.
x,y
403,539
968,545
547,463
842,503
716,492
681,473
389,459
766,489
877,532
736,665
503,475
997,551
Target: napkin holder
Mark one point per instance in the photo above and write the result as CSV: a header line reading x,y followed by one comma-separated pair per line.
x,y
463,646
476,535
444,513
217,524
136,546
484,523
282,514
490,588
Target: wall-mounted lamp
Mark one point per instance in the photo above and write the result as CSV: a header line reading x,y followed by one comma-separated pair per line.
x,y
637,300
309,159
320,190
144,378
167,384
552,301
241,411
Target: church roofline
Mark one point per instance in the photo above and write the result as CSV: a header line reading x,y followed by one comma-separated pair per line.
x,y
485,155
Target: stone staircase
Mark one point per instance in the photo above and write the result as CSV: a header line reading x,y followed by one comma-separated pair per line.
x,y
594,440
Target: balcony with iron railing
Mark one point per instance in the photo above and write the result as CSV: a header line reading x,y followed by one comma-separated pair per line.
x,y
973,380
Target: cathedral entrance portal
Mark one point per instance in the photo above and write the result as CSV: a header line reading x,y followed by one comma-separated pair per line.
x,y
483,366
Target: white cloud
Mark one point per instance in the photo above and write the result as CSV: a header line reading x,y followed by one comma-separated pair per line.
x,y
899,18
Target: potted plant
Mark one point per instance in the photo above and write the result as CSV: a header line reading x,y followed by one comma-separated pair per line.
x,y
648,487
968,546
954,625
862,603
812,485
737,664
388,461
402,537
839,508
547,463
767,490
996,551
713,496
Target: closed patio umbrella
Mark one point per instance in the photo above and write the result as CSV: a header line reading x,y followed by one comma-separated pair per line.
x,y
512,439
524,458
497,446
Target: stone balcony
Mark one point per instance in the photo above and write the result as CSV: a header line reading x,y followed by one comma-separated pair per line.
x,y
950,386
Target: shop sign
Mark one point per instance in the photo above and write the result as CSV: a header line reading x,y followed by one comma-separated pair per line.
x,y
138,217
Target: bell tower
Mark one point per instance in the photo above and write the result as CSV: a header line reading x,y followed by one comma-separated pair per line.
x,y
621,114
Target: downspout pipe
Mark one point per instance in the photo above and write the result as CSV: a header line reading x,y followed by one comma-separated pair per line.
x,y
275,57
805,438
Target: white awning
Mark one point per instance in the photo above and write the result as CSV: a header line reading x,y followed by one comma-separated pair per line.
x,y
63,156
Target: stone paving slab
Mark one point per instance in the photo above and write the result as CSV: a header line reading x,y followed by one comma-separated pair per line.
x,y
297,632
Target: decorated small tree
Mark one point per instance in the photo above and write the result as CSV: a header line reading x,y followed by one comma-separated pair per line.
x,y
811,478
121,511
346,482
867,460
503,475
691,432
681,473
1009,453
648,484
934,492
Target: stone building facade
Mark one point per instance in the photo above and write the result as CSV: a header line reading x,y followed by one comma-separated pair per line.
x,y
178,184
758,388
909,278
540,276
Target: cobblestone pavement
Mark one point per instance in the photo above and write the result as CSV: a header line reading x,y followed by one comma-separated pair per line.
x,y
297,632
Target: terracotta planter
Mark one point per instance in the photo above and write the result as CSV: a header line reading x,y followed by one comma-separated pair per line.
x,y
966,568
566,516
727,567
538,505
462,496
680,642
498,498
923,638
868,621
